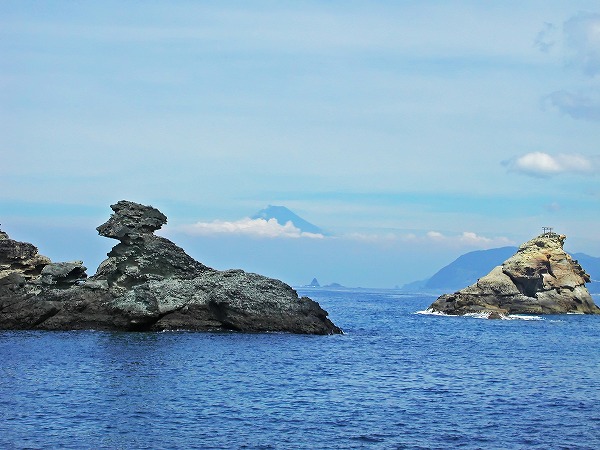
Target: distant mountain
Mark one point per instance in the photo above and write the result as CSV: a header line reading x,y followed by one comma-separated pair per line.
x,y
283,215
591,265
314,283
468,268
414,286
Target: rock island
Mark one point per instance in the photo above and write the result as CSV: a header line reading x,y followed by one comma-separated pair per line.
x,y
147,284
541,278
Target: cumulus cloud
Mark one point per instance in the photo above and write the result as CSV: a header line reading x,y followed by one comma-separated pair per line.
x,y
582,36
467,239
261,228
373,238
581,105
435,235
539,164
248,227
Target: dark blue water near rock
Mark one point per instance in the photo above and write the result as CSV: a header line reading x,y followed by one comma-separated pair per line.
x,y
395,380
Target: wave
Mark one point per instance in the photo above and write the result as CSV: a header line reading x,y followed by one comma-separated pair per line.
x,y
481,315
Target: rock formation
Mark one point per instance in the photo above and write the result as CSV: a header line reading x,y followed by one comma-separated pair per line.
x,y
541,278
147,283
314,283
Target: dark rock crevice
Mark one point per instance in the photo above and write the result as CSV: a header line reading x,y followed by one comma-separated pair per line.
x,y
46,316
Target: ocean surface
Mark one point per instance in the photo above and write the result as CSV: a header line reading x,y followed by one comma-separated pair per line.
x,y
395,380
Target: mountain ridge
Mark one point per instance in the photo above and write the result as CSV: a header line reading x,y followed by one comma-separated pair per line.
x,y
469,267
284,215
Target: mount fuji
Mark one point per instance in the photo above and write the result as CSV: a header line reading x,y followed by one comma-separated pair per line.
x,y
283,215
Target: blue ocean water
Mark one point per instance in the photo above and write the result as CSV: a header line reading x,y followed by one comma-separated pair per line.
x,y
395,380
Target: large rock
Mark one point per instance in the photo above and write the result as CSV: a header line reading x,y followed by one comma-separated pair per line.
x,y
21,258
63,274
541,278
147,283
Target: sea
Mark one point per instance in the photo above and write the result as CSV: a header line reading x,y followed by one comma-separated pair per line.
x,y
398,378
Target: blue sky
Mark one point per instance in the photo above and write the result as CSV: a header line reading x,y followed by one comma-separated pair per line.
x,y
413,131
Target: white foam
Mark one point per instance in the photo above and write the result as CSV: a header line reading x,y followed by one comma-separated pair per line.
x,y
431,312
521,317
480,315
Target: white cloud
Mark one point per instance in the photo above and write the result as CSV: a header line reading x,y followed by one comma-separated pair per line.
x,y
466,239
470,238
248,227
540,164
435,235
372,238
262,228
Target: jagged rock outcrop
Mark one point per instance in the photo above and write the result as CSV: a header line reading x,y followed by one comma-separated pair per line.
x,y
20,257
314,283
541,278
147,283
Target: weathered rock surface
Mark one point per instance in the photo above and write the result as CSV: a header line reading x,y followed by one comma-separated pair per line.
x,y
20,257
541,278
147,283
63,274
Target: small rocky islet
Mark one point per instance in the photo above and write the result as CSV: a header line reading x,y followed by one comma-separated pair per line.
x,y
147,284
540,278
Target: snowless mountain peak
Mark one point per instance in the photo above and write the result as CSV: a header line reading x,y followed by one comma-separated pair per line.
x,y
283,215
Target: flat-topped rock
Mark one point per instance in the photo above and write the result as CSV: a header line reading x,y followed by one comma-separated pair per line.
x,y
541,278
147,283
